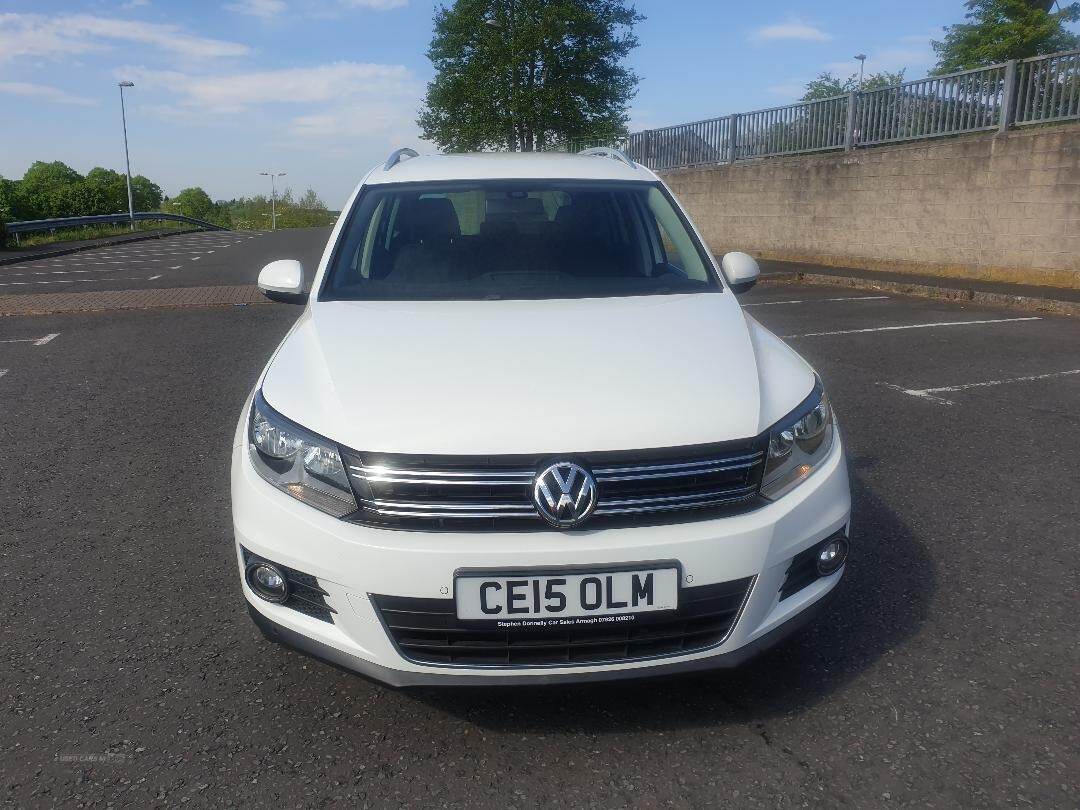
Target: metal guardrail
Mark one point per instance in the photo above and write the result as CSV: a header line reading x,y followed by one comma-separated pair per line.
x,y
968,101
1049,88
38,225
1042,89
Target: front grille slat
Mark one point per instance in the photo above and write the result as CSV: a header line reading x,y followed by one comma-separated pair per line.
x,y
494,493
427,631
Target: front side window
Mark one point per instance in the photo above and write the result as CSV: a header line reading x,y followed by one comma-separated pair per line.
x,y
515,239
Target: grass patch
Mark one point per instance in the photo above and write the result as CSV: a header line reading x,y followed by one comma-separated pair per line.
x,y
88,232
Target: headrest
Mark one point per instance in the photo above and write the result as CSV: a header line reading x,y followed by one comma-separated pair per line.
x,y
434,220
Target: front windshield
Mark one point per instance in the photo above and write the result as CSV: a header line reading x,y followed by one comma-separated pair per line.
x,y
515,239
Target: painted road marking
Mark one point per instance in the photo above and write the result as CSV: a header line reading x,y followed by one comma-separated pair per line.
x,y
71,281
911,326
817,300
154,277
195,258
177,267
3,371
65,272
41,341
928,393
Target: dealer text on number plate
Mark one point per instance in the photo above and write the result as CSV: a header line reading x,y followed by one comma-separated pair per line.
x,y
558,596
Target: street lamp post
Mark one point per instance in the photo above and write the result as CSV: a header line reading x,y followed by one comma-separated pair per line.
x,y
862,63
127,158
273,197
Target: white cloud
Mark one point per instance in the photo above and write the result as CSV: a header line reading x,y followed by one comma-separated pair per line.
x,y
378,5
132,4
792,28
44,92
340,105
915,60
393,119
787,91
37,35
322,83
263,9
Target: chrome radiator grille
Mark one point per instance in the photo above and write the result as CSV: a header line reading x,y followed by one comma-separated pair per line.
x,y
476,493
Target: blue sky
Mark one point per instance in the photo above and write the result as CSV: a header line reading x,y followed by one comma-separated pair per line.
x,y
322,89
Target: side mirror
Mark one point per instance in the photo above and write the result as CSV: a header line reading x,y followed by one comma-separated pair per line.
x,y
740,270
283,281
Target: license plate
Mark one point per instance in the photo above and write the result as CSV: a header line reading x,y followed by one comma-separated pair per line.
x,y
569,596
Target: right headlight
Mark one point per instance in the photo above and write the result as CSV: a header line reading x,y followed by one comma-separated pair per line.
x,y
297,461
798,444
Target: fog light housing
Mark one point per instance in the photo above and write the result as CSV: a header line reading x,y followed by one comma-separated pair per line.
x,y
267,581
832,555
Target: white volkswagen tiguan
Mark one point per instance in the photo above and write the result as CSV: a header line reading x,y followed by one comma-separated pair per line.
x,y
523,432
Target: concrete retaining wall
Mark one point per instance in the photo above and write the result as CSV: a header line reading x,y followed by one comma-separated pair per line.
x,y
989,206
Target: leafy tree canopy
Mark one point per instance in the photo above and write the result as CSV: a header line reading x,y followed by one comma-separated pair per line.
x,y
55,189
196,203
523,74
309,211
999,30
49,190
826,85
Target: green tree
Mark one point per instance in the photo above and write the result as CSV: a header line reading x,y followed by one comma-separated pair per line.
x,y
47,190
146,194
104,191
999,30
7,191
311,201
196,203
523,74
826,85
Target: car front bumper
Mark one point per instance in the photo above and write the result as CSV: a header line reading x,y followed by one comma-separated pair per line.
x,y
352,562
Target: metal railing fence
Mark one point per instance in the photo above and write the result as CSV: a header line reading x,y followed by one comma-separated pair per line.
x,y
806,127
1041,89
1048,88
967,101
39,225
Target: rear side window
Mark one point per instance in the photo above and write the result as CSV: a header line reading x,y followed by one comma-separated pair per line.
x,y
491,240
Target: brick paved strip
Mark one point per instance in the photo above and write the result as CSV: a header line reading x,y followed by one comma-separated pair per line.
x,y
48,303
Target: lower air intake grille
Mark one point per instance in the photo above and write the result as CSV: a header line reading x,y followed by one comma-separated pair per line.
x,y
305,594
427,631
803,569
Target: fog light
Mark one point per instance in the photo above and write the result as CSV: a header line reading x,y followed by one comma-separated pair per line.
x,y
832,555
267,581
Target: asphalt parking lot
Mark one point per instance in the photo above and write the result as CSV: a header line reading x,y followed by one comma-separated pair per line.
x,y
946,674
181,260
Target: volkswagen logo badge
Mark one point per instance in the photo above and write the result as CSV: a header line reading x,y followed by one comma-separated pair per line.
x,y
564,494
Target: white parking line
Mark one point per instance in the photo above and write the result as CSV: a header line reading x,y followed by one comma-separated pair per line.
x,y
817,300
154,277
66,272
41,341
928,393
71,281
3,371
911,326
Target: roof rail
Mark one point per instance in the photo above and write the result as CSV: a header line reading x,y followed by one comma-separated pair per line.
x,y
397,156
608,152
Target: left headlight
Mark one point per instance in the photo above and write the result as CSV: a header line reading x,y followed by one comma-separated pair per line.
x,y
798,444
297,461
